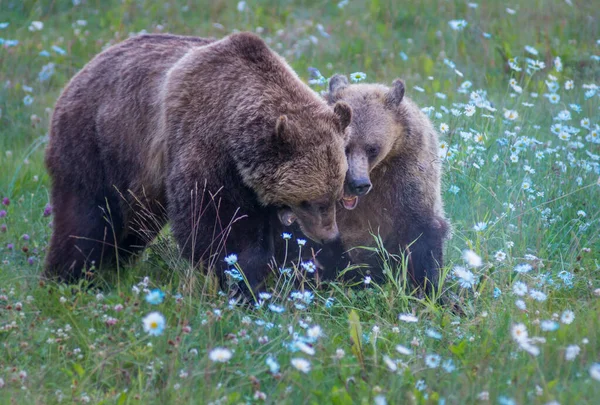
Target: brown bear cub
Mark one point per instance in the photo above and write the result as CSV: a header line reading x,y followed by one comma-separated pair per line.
x,y
221,133
392,187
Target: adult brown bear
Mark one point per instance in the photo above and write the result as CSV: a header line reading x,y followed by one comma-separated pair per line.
x,y
222,133
392,187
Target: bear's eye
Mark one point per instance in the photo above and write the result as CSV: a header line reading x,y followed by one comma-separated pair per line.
x,y
372,152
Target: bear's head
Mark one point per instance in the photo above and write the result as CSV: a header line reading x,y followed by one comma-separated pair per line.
x,y
374,134
307,177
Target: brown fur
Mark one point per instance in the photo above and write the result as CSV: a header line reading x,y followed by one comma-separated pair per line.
x,y
393,144
213,130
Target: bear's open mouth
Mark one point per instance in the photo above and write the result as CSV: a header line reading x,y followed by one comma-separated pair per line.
x,y
350,202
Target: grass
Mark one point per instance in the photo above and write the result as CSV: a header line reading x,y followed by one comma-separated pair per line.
x,y
537,195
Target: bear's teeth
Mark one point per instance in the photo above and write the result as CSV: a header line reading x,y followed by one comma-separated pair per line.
x,y
350,202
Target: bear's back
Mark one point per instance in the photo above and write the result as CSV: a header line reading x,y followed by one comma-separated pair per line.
x,y
111,108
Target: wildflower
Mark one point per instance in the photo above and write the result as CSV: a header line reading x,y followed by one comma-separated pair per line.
x,y
457,25
231,259
367,280
483,396
59,50
497,292
569,85
469,110
234,275
36,26
380,400
448,366
558,64
531,50
391,365
466,279
549,326
241,6
519,288
432,333
537,295
301,242
571,352
339,354
309,267
553,98
358,77
454,189
444,128
403,350
567,317
220,355
472,258
480,226
27,100
523,268
314,332
264,295
408,318
272,364
154,323
155,297
595,371
46,72
420,385
511,115
286,236
301,364
500,256
432,360
512,62
305,348
519,332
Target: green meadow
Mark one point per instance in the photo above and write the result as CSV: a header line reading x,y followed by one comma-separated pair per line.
x,y
514,91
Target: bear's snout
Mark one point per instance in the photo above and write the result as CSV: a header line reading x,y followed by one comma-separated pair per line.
x,y
360,186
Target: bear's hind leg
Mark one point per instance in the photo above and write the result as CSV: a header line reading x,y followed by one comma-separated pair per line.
x,y
84,230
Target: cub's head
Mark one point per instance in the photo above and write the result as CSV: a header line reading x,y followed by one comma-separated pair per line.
x,y
375,131
309,168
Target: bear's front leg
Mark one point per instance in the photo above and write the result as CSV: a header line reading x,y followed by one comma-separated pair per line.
x,y
252,241
424,243
210,227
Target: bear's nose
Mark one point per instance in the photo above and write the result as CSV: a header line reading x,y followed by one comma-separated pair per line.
x,y
360,186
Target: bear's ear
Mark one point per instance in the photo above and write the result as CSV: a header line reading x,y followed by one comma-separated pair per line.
x,y
394,96
337,83
281,126
344,113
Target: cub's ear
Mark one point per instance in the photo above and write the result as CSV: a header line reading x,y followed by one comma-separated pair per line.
x,y
281,127
344,113
394,96
337,83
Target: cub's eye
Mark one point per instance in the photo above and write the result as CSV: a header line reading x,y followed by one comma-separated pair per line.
x,y
347,150
305,205
323,208
372,152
